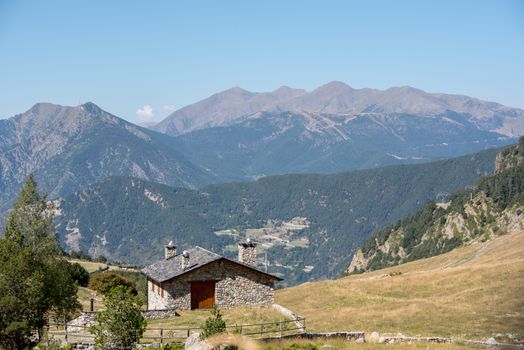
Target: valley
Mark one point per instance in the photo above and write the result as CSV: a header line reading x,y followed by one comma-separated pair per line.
x,y
308,224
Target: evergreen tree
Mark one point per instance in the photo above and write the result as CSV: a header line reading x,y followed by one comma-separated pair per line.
x,y
79,274
34,278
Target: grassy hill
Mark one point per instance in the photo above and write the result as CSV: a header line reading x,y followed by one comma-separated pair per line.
x,y
472,292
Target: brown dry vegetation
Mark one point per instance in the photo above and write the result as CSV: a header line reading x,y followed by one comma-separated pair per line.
x,y
473,292
92,266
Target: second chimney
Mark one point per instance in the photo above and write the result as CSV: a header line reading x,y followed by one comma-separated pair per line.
x,y
247,252
170,250
185,260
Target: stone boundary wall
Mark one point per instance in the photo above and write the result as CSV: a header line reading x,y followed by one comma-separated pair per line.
x,y
351,336
156,314
358,337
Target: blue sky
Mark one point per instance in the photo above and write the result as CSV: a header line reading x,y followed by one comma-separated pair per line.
x,y
124,55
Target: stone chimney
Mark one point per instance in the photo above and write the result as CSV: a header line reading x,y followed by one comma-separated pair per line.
x,y
170,250
185,260
247,252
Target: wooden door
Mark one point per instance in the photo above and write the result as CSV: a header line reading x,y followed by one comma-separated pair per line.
x,y
202,295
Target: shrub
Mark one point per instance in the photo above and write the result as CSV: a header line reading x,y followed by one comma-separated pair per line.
x,y
139,280
80,255
214,324
101,259
103,282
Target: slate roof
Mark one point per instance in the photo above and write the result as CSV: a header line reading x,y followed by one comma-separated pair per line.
x,y
167,269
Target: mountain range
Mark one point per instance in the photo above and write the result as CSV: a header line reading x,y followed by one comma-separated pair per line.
x,y
237,135
230,106
122,189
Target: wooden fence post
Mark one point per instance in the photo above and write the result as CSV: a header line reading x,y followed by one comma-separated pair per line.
x,y
92,305
161,335
65,328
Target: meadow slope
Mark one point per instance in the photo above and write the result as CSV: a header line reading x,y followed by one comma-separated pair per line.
x,y
473,292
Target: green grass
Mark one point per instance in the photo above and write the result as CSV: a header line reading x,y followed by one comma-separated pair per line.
x,y
473,292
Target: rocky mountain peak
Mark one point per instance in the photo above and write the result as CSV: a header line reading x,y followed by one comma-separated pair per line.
x,y
333,88
92,108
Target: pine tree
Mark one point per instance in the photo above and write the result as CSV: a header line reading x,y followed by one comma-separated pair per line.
x,y
34,277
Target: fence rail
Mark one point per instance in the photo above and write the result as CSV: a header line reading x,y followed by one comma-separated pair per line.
x,y
80,333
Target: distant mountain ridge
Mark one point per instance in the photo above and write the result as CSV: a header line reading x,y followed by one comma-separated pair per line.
x,y
222,108
240,135
68,148
229,106
272,143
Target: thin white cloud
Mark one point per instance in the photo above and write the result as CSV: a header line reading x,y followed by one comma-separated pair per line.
x,y
145,113
168,108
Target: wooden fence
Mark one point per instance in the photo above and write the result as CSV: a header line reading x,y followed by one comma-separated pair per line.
x,y
160,335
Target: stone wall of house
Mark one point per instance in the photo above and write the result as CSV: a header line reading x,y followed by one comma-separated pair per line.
x,y
235,286
155,300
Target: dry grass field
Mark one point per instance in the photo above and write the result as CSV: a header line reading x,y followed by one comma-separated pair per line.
x,y
473,292
90,266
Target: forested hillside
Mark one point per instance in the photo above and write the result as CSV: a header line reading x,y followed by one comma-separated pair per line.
x,y
493,207
309,224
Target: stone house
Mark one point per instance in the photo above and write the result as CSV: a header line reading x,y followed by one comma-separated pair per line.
x,y
199,279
